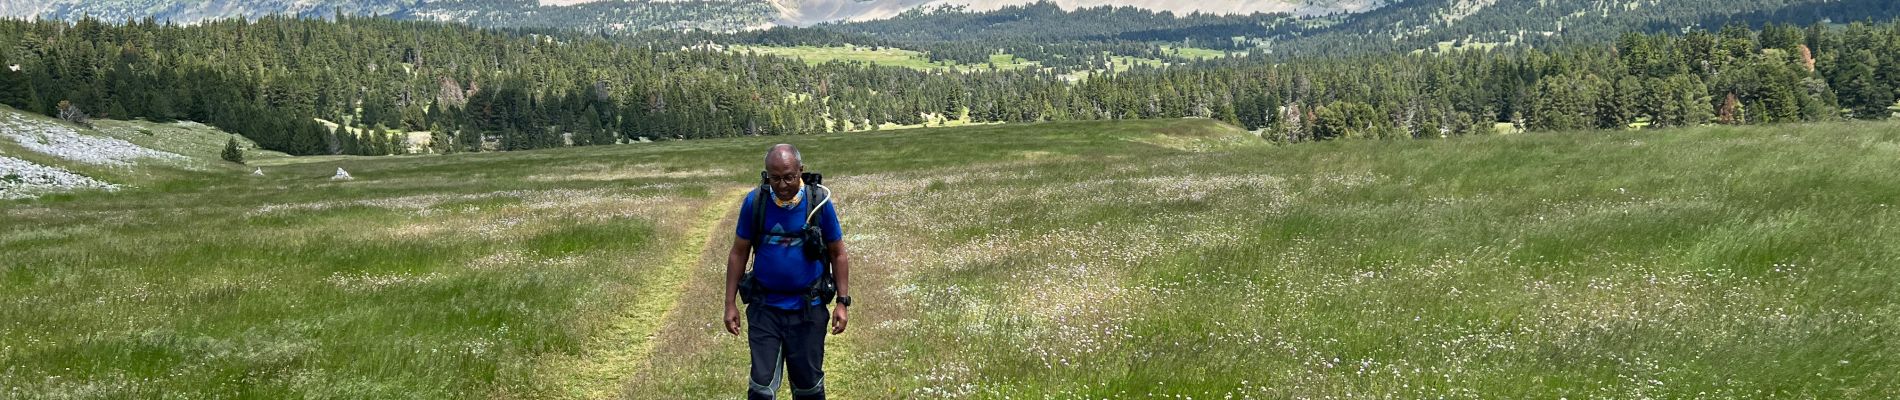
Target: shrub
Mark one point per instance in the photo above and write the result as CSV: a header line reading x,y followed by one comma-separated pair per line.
x,y
71,113
232,152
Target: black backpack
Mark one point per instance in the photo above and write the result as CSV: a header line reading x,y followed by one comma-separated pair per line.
x,y
825,288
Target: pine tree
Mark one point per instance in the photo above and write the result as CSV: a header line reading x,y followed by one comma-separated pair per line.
x,y
379,142
350,143
1618,104
1690,103
14,87
440,141
232,152
334,141
1563,103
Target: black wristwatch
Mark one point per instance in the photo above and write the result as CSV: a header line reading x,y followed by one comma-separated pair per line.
x,y
844,301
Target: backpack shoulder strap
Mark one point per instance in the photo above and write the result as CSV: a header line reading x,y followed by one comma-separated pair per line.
x,y
817,196
758,214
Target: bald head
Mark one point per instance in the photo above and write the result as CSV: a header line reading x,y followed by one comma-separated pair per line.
x,y
783,166
783,156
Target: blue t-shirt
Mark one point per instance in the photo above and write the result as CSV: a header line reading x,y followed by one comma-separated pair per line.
x,y
779,262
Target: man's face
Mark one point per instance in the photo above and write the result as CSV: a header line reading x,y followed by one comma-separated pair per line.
x,y
784,178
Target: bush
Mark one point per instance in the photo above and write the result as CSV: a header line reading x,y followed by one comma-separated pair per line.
x,y
71,113
232,152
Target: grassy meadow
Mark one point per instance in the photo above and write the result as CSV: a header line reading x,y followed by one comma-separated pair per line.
x,y
1197,53
884,56
1134,259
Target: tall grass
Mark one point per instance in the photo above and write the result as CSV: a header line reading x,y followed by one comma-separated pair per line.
x,y
1691,263
1089,259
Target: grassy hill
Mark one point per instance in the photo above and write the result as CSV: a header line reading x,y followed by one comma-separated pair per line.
x,y
1087,259
115,154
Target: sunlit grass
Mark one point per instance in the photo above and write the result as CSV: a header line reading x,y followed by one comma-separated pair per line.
x,y
1702,263
1197,53
1066,260
884,56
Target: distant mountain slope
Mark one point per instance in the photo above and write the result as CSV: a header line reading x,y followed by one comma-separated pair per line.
x,y
1422,24
187,11
607,15
615,15
1404,26
807,12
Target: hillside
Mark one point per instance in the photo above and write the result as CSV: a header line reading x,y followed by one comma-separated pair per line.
x,y
600,15
1329,27
1102,259
43,156
1402,26
807,12
610,16
1426,24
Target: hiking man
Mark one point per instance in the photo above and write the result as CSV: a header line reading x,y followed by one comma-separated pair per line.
x,y
789,228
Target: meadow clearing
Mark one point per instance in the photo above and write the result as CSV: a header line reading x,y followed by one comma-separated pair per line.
x,y
887,56
892,56
1144,259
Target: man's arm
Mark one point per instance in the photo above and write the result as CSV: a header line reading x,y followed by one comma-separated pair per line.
x,y
735,268
841,272
840,263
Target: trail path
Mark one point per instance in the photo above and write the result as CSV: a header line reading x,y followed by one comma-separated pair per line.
x,y
683,351
602,374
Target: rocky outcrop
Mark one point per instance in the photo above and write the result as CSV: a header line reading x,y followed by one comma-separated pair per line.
x,y
61,141
22,179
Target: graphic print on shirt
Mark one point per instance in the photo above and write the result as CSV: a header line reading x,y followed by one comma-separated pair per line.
x,y
782,237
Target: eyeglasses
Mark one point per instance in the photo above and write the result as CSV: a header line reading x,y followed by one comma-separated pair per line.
x,y
777,179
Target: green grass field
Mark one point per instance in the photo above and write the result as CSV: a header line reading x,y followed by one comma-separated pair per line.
x,y
1133,259
1196,53
886,56
896,57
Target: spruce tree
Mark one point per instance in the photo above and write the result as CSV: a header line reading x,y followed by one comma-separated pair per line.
x,y
334,141
232,152
14,88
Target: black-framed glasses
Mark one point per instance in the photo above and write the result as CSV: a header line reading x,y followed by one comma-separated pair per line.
x,y
776,179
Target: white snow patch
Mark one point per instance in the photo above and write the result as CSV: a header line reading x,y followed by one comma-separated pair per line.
x,y
22,179
64,142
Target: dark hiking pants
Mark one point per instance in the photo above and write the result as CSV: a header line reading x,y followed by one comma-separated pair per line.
x,y
787,343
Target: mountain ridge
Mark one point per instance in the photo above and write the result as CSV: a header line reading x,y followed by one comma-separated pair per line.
x,y
609,15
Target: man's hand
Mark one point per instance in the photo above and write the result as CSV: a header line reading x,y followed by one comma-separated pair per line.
x,y
732,319
735,269
837,319
840,270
